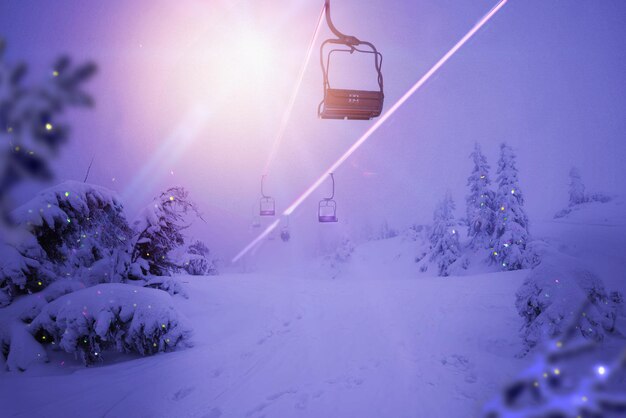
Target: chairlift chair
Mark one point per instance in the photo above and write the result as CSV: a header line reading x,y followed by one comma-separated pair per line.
x,y
344,103
267,205
327,207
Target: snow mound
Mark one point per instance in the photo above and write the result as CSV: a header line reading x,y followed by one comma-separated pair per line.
x,y
111,317
552,294
23,349
75,230
611,212
167,284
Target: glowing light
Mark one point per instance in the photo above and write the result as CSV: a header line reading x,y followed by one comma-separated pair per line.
x,y
67,194
394,108
68,220
48,126
172,148
378,124
495,253
39,283
55,73
171,198
292,100
601,370
557,372
482,177
502,208
512,191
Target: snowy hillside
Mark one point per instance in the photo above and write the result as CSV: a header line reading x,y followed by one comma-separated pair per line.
x,y
374,342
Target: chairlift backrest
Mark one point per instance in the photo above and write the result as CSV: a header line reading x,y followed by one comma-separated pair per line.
x,y
345,103
267,205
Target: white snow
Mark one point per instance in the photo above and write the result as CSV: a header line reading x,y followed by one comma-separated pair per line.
x,y
380,340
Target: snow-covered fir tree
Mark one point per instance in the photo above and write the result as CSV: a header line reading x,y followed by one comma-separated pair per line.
x,y
510,245
159,231
576,188
444,237
480,202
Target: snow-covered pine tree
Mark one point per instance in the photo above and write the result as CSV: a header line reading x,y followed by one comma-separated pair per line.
x,y
480,202
576,188
30,133
509,246
444,237
158,231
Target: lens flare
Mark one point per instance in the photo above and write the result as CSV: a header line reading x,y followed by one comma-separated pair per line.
x,y
378,123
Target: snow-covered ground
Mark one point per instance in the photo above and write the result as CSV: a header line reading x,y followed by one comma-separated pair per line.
x,y
374,342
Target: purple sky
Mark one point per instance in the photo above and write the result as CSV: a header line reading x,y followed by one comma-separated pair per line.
x,y
548,76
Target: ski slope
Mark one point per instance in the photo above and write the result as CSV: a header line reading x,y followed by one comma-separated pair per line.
x,y
367,344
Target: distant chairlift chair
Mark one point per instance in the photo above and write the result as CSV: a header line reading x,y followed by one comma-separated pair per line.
x,y
349,104
267,206
327,208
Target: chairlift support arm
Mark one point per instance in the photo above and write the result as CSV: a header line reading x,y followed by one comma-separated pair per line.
x,y
262,192
332,196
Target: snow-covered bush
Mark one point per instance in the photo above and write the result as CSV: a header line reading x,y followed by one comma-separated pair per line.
x,y
197,262
158,231
344,250
21,271
111,317
75,230
385,231
549,298
30,133
510,247
444,237
167,284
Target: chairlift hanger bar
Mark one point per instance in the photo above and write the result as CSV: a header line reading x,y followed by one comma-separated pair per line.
x,y
345,39
262,192
332,177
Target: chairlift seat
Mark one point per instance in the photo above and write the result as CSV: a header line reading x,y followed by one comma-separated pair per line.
x,y
351,104
267,207
327,211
